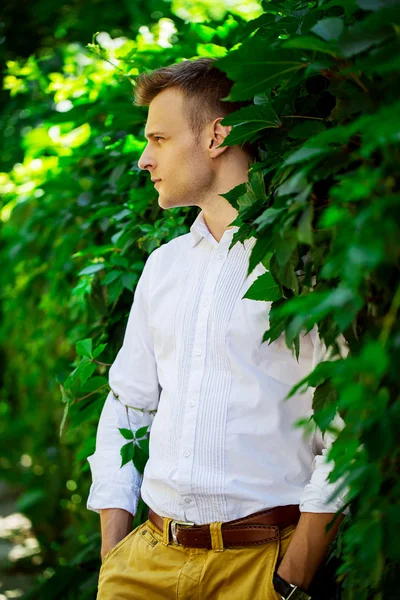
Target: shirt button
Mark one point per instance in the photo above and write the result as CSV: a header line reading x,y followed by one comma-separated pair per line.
x,y
198,352
186,453
192,403
220,256
187,500
205,303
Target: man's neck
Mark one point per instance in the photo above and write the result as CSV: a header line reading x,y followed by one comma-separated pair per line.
x,y
218,222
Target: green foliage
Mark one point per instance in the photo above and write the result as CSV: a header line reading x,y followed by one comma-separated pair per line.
x,y
79,220
329,229
137,449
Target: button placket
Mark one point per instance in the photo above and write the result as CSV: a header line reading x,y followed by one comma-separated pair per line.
x,y
193,390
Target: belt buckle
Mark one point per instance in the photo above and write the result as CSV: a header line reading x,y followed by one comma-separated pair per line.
x,y
174,532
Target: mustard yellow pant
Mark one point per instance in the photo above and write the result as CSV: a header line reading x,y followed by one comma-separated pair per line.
x,y
147,564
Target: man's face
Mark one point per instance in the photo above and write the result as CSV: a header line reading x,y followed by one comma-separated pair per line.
x,y
173,155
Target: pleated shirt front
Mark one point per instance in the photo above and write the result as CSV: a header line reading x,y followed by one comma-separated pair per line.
x,y
223,441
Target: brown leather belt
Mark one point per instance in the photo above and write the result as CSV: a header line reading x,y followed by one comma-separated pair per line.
x,y
255,529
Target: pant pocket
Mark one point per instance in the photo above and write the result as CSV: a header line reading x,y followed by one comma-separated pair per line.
x,y
115,548
286,535
279,550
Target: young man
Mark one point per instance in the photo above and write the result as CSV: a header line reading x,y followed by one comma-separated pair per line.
x,y
223,444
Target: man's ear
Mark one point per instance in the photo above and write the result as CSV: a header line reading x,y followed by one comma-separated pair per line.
x,y
218,133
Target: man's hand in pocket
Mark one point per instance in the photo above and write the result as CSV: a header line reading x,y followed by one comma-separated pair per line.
x,y
116,523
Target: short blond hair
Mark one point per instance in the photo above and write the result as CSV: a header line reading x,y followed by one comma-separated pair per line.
x,y
202,84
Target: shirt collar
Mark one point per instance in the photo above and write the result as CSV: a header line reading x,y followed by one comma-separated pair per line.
x,y
200,230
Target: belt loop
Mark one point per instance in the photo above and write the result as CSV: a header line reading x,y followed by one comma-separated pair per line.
x,y
216,537
166,524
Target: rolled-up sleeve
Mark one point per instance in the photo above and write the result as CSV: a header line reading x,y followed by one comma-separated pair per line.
x,y
135,391
317,493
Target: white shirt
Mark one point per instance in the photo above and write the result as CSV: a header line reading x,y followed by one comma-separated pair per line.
x,y
223,443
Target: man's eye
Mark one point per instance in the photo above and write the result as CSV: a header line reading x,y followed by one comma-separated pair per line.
x,y
157,137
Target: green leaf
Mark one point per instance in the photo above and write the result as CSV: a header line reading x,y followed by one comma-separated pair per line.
x,y
235,194
141,432
322,371
312,43
285,245
72,378
248,121
127,453
257,183
98,350
304,227
115,289
256,66
92,269
111,276
321,144
127,433
260,251
385,59
269,217
325,394
285,273
294,184
304,154
380,129
144,444
202,31
264,288
140,459
84,348
66,397
84,410
329,29
375,29
374,358
86,371
296,345
211,50
129,280
92,384
120,261
276,323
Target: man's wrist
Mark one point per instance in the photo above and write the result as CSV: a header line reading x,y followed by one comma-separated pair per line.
x,y
116,523
288,590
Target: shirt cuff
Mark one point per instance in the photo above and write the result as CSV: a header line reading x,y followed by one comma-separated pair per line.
x,y
317,494
106,494
315,500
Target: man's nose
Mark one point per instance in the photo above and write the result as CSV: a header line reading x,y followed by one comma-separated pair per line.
x,y
146,161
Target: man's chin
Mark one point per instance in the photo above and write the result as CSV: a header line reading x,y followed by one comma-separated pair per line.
x,y
165,202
